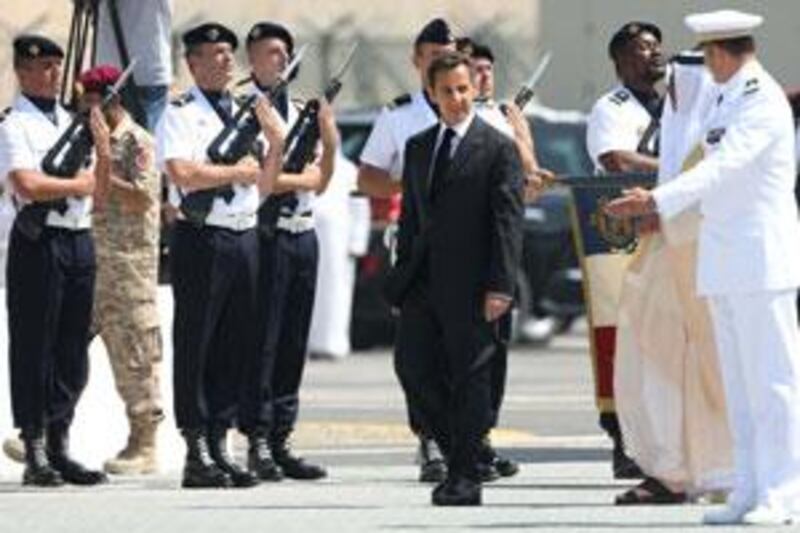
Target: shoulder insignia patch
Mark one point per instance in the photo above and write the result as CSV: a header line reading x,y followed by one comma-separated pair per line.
x,y
4,113
403,99
714,136
751,86
619,97
182,100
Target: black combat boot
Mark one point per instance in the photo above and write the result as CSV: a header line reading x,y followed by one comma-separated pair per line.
x,y
71,470
432,468
259,459
38,471
293,467
218,448
200,471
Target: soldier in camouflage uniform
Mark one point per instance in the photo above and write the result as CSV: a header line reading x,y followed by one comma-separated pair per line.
x,y
126,231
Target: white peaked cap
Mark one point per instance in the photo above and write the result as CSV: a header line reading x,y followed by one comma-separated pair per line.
x,y
722,25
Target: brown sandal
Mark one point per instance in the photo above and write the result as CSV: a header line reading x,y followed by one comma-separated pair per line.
x,y
650,492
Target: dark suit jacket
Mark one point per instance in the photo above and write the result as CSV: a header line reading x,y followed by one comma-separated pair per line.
x,y
473,241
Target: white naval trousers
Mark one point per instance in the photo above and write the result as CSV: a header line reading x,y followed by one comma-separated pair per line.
x,y
759,349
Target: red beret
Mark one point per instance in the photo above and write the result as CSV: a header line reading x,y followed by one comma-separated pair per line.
x,y
100,78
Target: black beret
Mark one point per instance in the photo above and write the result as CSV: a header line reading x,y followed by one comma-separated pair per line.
x,y
629,32
436,31
480,51
33,46
271,30
210,32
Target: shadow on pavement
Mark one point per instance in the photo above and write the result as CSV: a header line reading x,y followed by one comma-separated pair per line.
x,y
570,526
314,507
556,455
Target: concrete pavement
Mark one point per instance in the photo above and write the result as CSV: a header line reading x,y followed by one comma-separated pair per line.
x,y
353,421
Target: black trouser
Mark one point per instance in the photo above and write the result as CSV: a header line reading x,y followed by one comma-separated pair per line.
x,y
499,371
445,370
50,288
287,283
500,367
214,274
417,421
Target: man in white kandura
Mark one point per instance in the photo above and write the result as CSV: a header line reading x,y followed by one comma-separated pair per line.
x,y
748,264
667,380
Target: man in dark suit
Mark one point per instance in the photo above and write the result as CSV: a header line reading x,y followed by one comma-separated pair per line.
x,y
459,245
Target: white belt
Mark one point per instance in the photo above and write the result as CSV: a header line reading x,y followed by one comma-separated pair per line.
x,y
57,220
236,221
296,224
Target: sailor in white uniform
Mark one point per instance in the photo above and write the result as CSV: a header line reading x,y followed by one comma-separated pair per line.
x,y
214,258
288,264
51,267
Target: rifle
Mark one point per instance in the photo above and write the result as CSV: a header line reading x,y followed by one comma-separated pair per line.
x,y
71,152
301,143
528,89
235,141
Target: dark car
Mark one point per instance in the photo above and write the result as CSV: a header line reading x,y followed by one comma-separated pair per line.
x,y
549,281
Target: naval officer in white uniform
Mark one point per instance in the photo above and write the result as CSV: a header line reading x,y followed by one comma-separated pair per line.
x,y
748,264
214,257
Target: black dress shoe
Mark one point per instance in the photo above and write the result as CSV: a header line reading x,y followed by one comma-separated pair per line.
x,y
38,471
218,449
259,460
432,466
291,465
459,491
506,466
433,471
487,472
71,470
200,471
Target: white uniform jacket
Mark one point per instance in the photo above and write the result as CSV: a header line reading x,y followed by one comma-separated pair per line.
x,y
744,185
26,135
617,122
386,145
185,130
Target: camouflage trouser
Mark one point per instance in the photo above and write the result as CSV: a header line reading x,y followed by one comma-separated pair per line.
x,y
135,356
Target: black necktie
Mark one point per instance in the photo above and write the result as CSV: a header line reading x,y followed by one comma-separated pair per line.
x,y
441,163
